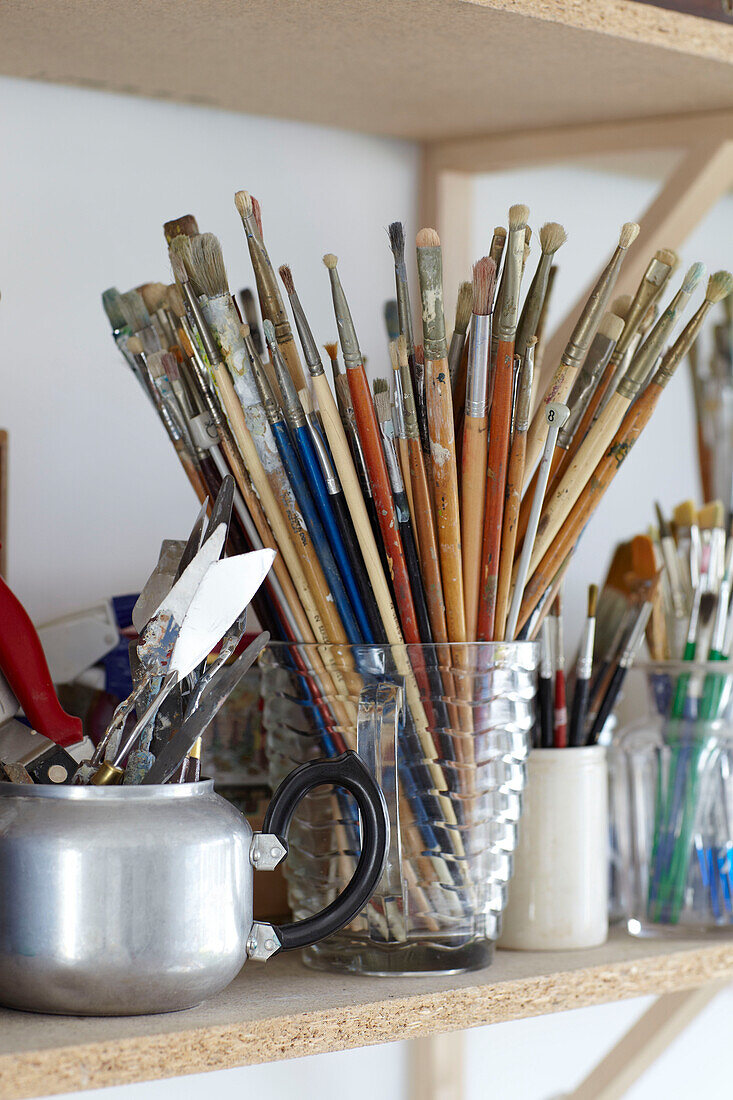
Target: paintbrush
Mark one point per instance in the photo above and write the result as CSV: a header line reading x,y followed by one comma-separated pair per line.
x,y
552,237
369,434
458,338
496,248
719,285
501,289
689,548
592,448
541,326
271,303
505,327
400,431
583,671
671,565
514,488
560,717
475,437
384,416
625,662
648,574
579,342
442,439
185,226
545,701
425,523
396,234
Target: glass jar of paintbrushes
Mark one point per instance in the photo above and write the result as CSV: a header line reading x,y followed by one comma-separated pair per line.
x,y
679,760
446,731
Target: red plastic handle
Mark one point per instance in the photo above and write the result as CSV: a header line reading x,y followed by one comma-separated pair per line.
x,y
24,665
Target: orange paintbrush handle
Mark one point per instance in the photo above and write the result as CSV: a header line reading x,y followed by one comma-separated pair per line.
x,y
473,502
501,412
368,428
429,555
509,530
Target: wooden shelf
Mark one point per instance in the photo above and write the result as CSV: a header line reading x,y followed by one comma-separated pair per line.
x,y
282,1010
423,70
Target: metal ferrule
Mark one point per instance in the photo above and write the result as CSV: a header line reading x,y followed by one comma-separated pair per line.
x,y
310,348
211,351
430,271
404,311
324,459
271,302
265,394
506,322
524,391
291,402
390,457
681,346
398,408
593,309
584,667
647,355
649,291
527,327
347,333
455,351
637,633
545,669
596,362
358,452
477,371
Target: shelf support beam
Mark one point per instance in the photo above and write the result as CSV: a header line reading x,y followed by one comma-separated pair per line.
x,y
436,1067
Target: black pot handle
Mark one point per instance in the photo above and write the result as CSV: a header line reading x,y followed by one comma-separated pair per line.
x,y
349,772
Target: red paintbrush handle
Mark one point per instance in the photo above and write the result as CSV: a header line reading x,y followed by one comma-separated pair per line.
x,y
23,663
498,458
368,428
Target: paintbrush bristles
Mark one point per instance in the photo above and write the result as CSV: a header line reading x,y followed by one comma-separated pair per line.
x,y
332,351
693,277
207,262
396,232
269,330
463,307
611,326
629,233
668,257
719,286
518,216
552,237
175,301
287,277
180,255
111,306
134,311
134,345
330,260
484,282
428,238
154,295
382,405
592,600
243,203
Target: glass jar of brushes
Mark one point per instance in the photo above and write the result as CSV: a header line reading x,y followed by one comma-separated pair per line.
x,y
679,762
446,731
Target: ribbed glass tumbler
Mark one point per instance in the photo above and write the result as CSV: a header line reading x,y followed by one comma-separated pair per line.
x,y
446,731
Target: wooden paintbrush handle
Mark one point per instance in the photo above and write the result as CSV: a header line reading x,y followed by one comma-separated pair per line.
x,y
289,352
445,494
473,502
509,530
429,555
501,411
366,421
584,424
558,506
338,443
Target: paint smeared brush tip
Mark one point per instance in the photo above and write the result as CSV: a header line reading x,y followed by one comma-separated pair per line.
x,y
629,233
269,330
685,514
667,256
243,203
484,281
287,277
552,237
392,318
611,327
500,231
134,310
332,351
518,216
402,350
112,307
382,405
380,385
244,330
711,515
464,305
396,232
179,251
330,260
720,286
592,600
428,238
208,268
154,295
693,277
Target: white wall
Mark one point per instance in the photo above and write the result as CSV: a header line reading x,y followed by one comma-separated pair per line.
x,y
87,181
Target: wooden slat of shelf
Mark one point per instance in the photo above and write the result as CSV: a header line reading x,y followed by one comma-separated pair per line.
x,y
498,65
281,1010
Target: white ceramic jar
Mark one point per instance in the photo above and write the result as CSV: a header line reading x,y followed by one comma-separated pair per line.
x,y
558,895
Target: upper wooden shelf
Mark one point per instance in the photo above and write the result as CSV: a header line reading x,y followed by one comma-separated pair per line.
x,y
281,1010
420,69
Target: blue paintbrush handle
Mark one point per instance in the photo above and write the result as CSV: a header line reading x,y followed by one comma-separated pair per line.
x,y
304,500
316,480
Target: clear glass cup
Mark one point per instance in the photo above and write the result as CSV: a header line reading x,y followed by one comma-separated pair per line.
x,y
446,731
679,758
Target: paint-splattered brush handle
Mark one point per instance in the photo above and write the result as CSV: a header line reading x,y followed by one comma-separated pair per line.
x,y
428,540
501,413
473,501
